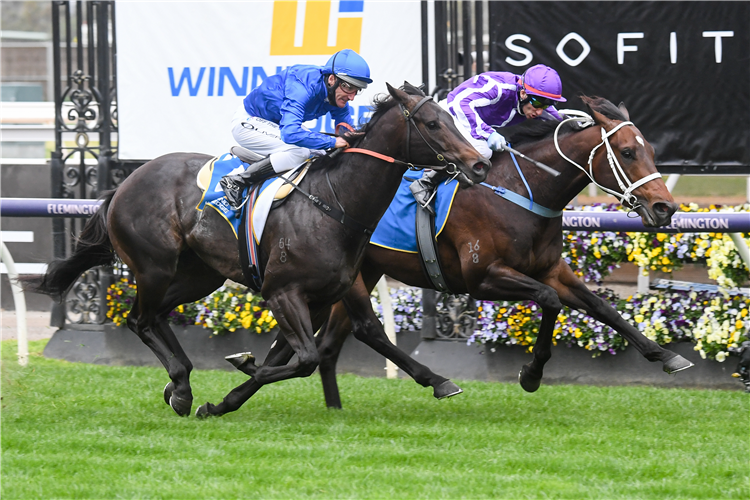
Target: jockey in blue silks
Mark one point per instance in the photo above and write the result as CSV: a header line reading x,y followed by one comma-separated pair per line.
x,y
498,99
269,121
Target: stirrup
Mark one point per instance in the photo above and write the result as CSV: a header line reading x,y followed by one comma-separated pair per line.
x,y
428,205
227,185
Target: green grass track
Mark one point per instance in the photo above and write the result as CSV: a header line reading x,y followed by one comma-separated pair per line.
x,y
72,430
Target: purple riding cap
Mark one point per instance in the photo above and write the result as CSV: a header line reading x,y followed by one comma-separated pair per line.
x,y
491,98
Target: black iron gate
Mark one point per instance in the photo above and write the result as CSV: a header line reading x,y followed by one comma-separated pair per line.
x,y
460,40
84,163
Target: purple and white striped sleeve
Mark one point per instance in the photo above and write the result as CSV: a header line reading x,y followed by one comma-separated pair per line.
x,y
477,93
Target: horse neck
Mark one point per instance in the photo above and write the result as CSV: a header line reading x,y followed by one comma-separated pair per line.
x,y
365,185
551,192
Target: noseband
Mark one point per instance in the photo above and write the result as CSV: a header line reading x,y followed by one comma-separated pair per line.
x,y
627,187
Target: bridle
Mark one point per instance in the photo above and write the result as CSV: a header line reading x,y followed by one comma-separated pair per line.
x,y
449,167
627,187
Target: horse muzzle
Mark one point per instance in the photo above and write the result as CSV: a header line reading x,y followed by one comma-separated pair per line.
x,y
658,214
477,172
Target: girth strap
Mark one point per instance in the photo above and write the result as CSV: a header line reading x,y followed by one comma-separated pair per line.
x,y
427,246
335,213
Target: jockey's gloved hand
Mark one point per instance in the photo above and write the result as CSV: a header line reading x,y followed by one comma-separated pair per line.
x,y
497,142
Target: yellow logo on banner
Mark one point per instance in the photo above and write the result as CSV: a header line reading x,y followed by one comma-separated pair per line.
x,y
285,39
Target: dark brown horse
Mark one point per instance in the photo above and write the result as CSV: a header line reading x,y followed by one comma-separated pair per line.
x,y
495,250
178,254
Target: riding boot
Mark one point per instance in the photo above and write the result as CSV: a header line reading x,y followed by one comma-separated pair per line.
x,y
234,185
423,189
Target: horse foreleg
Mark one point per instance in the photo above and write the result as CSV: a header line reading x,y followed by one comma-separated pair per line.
x,y
505,283
279,354
575,294
293,316
368,329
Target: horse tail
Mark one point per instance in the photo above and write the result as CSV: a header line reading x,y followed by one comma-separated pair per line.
x,y
93,248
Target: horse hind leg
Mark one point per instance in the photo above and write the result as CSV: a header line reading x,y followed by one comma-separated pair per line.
x,y
193,281
505,283
330,341
530,376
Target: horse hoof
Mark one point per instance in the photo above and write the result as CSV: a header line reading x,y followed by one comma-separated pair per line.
x,y
202,411
180,406
446,390
528,383
168,390
676,364
244,362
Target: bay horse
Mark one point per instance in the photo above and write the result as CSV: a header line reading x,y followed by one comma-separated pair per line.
x,y
495,250
179,254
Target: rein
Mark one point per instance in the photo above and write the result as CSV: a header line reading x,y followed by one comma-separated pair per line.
x,y
627,187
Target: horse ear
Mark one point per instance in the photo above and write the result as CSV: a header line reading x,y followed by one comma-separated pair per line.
x,y
598,117
397,94
624,110
412,90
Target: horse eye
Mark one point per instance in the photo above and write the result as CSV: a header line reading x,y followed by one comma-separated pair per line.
x,y
627,153
433,125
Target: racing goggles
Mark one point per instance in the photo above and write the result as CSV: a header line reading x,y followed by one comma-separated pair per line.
x,y
348,87
540,102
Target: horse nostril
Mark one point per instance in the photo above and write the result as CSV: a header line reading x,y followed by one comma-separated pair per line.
x,y
664,209
481,165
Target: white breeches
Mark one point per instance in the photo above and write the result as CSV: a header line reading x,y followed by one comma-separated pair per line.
x,y
264,137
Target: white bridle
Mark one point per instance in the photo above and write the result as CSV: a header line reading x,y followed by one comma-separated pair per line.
x,y
627,187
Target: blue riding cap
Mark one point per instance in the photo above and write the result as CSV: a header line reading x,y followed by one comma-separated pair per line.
x,y
350,67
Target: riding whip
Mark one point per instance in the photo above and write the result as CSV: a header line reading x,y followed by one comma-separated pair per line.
x,y
539,164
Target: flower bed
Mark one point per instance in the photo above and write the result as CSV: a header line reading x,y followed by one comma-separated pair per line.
x,y
714,321
226,310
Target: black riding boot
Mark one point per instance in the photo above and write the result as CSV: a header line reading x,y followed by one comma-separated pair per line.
x,y
423,189
233,185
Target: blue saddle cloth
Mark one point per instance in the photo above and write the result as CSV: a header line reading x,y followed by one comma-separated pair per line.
x,y
214,195
397,228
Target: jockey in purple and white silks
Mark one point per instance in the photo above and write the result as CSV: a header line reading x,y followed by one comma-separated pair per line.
x,y
269,120
495,99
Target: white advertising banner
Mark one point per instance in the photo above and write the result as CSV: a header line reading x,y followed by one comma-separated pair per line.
x,y
183,68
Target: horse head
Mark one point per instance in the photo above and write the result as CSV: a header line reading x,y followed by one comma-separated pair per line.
x,y
437,143
623,164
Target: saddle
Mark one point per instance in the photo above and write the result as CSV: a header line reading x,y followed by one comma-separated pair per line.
x,y
244,157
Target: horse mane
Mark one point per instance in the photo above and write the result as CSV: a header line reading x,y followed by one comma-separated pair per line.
x,y
383,102
531,131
